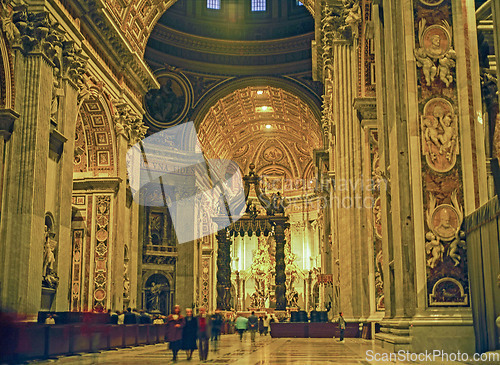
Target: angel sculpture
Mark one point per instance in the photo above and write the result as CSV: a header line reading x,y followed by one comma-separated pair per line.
x,y
431,134
435,248
445,65
454,245
428,66
449,135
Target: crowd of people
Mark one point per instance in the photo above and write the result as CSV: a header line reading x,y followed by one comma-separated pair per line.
x,y
190,333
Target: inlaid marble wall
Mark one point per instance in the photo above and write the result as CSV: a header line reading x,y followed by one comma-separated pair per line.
x,y
447,281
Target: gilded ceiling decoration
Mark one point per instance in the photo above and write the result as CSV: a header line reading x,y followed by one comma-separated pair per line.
x,y
279,142
136,18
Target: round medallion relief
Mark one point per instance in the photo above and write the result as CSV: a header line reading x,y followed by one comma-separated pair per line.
x,y
437,41
99,295
101,235
445,221
273,154
169,104
431,2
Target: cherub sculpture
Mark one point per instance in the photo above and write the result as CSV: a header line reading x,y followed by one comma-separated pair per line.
x,y
434,248
459,241
428,66
446,63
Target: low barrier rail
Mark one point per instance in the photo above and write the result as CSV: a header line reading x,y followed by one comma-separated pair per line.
x,y
27,341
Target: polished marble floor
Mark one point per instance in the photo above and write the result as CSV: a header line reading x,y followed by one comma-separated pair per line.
x,y
265,351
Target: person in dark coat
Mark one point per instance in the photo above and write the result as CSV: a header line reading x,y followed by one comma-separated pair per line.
x,y
144,317
129,317
261,325
189,333
253,325
215,328
341,326
175,323
113,317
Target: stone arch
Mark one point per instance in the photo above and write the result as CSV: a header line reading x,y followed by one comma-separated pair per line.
x,y
140,17
95,139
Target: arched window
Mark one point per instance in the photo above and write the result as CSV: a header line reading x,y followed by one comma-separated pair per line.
x,y
213,4
258,5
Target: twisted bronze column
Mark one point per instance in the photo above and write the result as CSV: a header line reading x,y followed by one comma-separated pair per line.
x,y
279,235
223,271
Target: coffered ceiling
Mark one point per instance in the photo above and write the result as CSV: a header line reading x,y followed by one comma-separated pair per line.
x,y
268,126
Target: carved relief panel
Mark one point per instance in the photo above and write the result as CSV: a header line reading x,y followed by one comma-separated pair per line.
x,y
377,222
445,247
101,252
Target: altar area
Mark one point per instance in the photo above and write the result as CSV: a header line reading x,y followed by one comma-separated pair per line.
x,y
275,257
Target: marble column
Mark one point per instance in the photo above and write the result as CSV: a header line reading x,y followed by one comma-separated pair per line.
x,y
187,251
65,127
121,236
22,225
426,181
347,199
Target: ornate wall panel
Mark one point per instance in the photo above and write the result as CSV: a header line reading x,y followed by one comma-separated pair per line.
x,y
94,139
377,221
76,271
101,252
366,52
87,301
446,261
205,286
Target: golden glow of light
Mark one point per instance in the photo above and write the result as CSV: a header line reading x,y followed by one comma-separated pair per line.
x,y
260,92
264,109
268,126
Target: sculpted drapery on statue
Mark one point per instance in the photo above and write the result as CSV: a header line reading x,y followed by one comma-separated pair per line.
x,y
49,275
154,299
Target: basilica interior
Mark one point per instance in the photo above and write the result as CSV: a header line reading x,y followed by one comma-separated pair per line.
x,y
270,155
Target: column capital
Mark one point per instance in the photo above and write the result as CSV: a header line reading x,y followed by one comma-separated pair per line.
x,y
339,24
128,123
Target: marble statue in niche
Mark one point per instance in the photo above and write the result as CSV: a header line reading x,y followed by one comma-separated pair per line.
x,y
154,298
439,134
49,275
435,54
